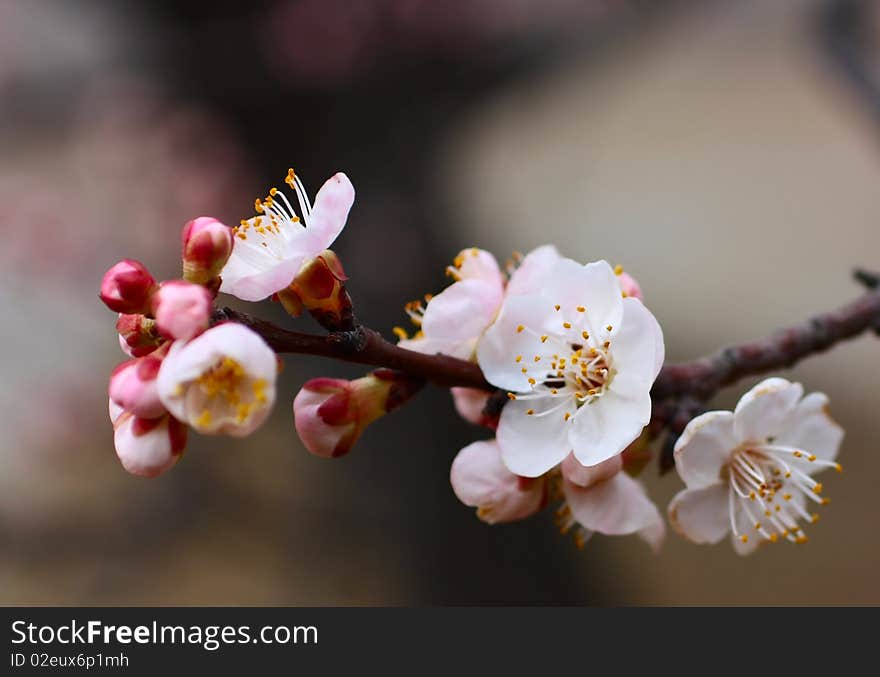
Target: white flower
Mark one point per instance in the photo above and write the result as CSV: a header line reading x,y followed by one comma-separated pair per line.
x,y
271,247
750,472
579,361
603,499
222,381
455,319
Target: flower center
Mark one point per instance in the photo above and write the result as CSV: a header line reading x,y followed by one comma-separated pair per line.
x,y
576,364
771,484
276,215
228,387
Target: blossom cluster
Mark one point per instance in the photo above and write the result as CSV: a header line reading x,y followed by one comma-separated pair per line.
x,y
570,350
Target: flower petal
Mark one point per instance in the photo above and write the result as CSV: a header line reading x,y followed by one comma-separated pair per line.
x,y
704,448
529,277
478,264
701,515
504,340
330,211
762,412
242,280
811,428
480,479
532,444
594,286
616,507
607,426
470,403
586,476
462,313
634,349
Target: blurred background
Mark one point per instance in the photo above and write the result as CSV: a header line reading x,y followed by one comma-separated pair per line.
x,y
725,152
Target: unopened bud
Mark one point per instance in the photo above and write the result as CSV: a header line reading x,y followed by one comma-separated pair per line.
x,y
319,288
182,309
127,287
148,447
207,245
330,414
133,387
138,334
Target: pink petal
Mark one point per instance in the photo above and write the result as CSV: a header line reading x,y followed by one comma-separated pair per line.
x,y
330,211
480,479
616,507
586,476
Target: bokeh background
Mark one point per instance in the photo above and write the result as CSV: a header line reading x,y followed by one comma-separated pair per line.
x,y
725,152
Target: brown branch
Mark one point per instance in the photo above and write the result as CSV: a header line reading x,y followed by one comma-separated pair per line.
x,y
363,346
702,378
678,391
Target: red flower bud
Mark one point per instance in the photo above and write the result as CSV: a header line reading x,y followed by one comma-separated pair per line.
x,y
207,245
127,287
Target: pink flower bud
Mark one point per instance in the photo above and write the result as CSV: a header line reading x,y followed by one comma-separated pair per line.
x,y
148,447
207,245
182,309
630,286
481,480
133,387
138,334
330,414
127,287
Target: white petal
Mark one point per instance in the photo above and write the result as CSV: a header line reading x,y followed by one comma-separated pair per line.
x,y
502,342
616,507
481,480
529,277
330,211
149,454
761,412
594,286
704,448
244,282
701,515
462,312
531,445
634,349
810,427
607,426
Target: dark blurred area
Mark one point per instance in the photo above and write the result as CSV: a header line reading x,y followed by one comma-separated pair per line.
x,y
616,129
